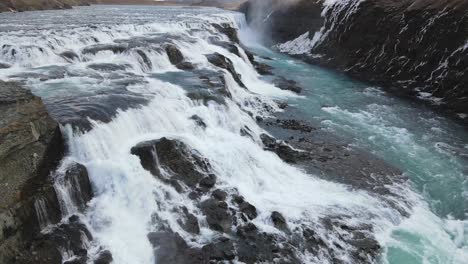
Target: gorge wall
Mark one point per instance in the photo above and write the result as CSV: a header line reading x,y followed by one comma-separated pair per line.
x,y
415,48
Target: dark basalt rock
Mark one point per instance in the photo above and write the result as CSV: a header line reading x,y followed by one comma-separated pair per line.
x,y
171,248
227,45
228,30
108,67
285,84
174,54
245,207
77,180
225,63
279,221
190,222
104,47
177,58
69,56
183,165
220,250
256,247
206,97
208,182
198,120
263,69
217,215
219,195
145,59
104,257
294,124
4,65
187,66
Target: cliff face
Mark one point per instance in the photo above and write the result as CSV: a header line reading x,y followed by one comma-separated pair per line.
x,y
31,148
29,5
414,48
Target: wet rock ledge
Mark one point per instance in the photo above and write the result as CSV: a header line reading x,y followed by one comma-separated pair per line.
x,y
31,148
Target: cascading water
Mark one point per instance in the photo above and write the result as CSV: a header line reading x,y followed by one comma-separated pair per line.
x,y
117,72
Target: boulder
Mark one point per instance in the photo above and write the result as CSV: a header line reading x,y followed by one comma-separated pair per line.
x,y
285,84
69,55
279,221
77,181
217,215
221,250
4,65
185,65
225,63
115,48
104,257
227,30
189,222
174,54
184,165
208,182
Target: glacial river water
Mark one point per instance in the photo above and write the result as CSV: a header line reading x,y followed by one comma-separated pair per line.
x,y
110,99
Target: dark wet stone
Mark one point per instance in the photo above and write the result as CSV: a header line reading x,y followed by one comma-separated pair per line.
x,y
145,59
263,69
108,67
183,164
206,97
79,260
171,248
104,257
225,63
104,47
228,30
285,84
185,65
248,209
174,54
217,215
227,45
223,249
282,105
258,247
69,55
294,124
198,120
219,195
71,237
279,221
4,65
76,177
246,132
208,182
190,222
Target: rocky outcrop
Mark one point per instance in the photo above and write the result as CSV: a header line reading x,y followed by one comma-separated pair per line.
x,y
414,48
31,147
30,5
233,217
